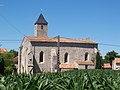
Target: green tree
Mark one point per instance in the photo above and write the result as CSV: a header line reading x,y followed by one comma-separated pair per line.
x,y
14,52
110,56
8,60
98,61
2,66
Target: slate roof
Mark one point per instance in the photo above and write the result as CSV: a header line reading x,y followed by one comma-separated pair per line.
x,y
41,20
63,40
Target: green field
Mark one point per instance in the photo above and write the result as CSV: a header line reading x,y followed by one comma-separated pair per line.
x,y
69,80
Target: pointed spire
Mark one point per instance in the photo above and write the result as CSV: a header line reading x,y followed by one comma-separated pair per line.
x,y
41,20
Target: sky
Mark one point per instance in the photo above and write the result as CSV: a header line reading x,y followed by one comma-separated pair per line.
x,y
98,20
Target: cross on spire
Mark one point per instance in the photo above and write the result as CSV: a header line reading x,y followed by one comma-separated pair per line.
x,y
41,10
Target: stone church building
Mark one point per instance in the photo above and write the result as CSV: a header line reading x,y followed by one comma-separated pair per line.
x,y
41,53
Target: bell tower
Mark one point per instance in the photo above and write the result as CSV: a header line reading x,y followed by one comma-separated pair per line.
x,y
41,26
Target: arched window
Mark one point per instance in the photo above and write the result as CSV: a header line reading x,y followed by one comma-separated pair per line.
x,y
66,58
41,26
86,56
41,57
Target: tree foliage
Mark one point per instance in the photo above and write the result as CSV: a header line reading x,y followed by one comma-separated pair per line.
x,y
15,53
98,61
2,66
8,60
110,56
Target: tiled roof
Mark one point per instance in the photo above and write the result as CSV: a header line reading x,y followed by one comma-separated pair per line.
x,y
41,20
88,62
117,60
15,60
2,50
66,40
75,64
68,66
106,65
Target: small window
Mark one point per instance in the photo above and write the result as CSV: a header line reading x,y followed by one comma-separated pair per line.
x,y
30,59
41,57
86,56
66,58
41,26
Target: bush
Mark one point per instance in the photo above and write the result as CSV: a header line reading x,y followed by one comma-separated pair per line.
x,y
8,69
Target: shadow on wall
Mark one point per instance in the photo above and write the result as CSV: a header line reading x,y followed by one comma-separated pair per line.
x,y
36,68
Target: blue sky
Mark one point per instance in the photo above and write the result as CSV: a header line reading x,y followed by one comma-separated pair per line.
x,y
98,20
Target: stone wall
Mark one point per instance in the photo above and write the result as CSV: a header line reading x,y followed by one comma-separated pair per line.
x,y
40,31
25,57
75,51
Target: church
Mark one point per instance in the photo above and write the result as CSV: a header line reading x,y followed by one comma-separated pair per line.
x,y
41,53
